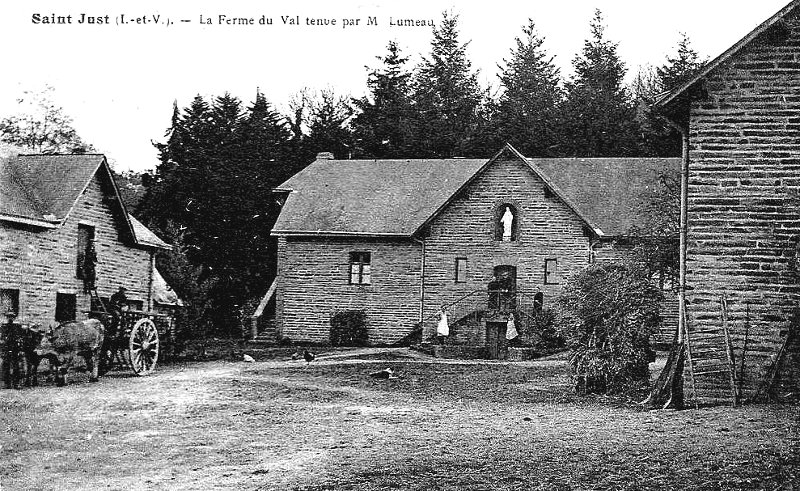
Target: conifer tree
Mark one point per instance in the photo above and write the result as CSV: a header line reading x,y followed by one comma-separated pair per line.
x,y
211,193
328,130
527,109
383,128
659,138
446,95
679,68
598,115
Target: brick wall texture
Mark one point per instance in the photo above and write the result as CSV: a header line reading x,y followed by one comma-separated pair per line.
x,y
744,211
42,262
313,273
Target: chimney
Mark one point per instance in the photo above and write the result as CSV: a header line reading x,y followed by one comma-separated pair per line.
x,y
325,156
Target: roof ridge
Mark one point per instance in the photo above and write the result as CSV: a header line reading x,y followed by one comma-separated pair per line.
x,y
670,96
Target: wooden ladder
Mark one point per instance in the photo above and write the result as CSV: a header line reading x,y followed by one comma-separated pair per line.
x,y
711,355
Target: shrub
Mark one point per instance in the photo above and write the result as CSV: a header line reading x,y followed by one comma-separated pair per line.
x,y
349,328
540,332
607,314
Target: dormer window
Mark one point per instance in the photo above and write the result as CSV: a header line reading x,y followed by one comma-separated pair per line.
x,y
506,223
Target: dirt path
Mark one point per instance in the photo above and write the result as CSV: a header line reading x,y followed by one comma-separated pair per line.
x,y
440,425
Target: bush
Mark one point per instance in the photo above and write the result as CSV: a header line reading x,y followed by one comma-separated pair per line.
x,y
607,314
349,328
541,333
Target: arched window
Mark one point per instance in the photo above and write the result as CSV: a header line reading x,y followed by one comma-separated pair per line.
x,y
506,223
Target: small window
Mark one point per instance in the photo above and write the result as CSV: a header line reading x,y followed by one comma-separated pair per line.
x,y
461,270
65,307
551,272
9,301
360,268
86,252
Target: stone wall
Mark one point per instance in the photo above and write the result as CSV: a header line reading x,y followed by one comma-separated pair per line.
x,y
744,211
547,229
42,262
314,284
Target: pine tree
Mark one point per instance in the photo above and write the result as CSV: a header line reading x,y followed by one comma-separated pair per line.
x,y
446,95
328,131
527,110
383,128
679,68
211,191
658,137
598,115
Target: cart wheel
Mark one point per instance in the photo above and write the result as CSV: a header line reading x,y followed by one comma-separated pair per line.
x,y
143,347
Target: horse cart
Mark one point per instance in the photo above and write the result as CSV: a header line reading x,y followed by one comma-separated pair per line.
x,y
134,339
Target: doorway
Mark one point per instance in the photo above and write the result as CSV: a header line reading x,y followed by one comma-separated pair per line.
x,y
496,343
503,289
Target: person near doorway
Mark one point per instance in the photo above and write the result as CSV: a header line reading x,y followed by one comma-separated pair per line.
x,y
89,267
443,328
118,302
511,328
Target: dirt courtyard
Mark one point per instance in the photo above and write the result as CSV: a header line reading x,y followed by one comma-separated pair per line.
x,y
439,425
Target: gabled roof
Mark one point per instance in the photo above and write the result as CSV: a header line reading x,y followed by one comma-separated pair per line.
x,y
609,190
370,197
399,197
669,98
41,190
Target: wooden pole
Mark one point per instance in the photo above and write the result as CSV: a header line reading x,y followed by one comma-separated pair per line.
x,y
684,226
729,349
744,349
691,366
668,389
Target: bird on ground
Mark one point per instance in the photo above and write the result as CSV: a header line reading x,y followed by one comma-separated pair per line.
x,y
308,357
386,373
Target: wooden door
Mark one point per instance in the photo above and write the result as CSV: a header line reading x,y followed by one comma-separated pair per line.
x,y
496,343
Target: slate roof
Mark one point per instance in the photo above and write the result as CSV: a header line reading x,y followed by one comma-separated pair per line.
x,y
608,190
144,236
44,187
397,197
669,98
370,197
41,190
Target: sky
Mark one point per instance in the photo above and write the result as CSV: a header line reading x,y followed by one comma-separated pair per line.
x,y
118,78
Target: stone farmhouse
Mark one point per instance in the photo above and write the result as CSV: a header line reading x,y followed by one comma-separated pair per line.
x,y
398,239
56,211
740,120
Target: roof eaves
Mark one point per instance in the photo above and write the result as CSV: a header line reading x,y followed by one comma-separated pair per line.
x,y
669,97
336,233
28,221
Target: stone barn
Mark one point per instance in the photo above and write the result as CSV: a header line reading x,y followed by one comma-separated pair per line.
x,y
740,120
58,214
398,239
